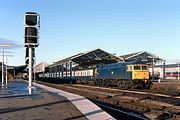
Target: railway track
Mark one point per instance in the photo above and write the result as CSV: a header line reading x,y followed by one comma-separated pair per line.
x,y
131,91
151,105
117,113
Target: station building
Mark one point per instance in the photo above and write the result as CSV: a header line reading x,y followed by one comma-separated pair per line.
x,y
12,71
172,70
40,67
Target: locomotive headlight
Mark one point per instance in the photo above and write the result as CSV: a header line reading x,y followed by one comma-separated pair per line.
x,y
135,74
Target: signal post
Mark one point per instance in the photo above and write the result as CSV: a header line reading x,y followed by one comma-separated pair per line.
x,y
31,31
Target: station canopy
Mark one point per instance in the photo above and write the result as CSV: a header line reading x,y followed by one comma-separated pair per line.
x,y
94,57
97,56
21,68
143,56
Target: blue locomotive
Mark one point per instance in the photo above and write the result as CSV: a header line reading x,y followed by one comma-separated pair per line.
x,y
133,74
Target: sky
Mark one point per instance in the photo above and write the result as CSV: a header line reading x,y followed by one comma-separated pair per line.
x,y
69,27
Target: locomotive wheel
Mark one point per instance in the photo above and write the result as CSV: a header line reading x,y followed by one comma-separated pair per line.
x,y
107,83
148,85
120,84
140,84
99,82
102,83
126,85
91,83
78,81
134,85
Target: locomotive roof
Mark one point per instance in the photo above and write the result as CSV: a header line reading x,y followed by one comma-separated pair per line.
x,y
124,63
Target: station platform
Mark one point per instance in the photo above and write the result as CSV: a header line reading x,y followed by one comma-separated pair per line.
x,y
45,103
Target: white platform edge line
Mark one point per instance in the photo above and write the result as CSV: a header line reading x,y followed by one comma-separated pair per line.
x,y
82,104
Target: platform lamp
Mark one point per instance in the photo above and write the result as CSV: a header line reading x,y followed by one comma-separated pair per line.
x,y
31,31
3,47
7,67
178,70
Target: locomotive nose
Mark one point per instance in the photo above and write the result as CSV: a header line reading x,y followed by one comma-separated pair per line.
x,y
141,75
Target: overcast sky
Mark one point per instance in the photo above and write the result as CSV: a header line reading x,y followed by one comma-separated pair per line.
x,y
69,27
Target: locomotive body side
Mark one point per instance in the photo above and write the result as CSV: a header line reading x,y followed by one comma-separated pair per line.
x,y
112,71
125,75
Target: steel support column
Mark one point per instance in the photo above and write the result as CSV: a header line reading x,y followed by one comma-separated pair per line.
x,y
50,72
153,69
53,71
56,71
70,69
14,73
6,70
66,70
164,70
2,66
59,71
30,70
178,71
62,70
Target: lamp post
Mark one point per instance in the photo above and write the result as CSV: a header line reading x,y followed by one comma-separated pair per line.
x,y
3,47
164,70
178,71
34,69
6,67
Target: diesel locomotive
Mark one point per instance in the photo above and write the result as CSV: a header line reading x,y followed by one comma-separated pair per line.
x,y
125,75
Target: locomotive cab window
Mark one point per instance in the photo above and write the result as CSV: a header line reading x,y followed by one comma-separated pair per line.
x,y
137,67
129,68
144,67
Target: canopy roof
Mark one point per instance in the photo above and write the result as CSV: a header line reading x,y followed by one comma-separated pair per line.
x,y
97,56
143,56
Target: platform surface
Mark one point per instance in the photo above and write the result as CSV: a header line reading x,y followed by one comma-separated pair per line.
x,y
90,110
45,103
